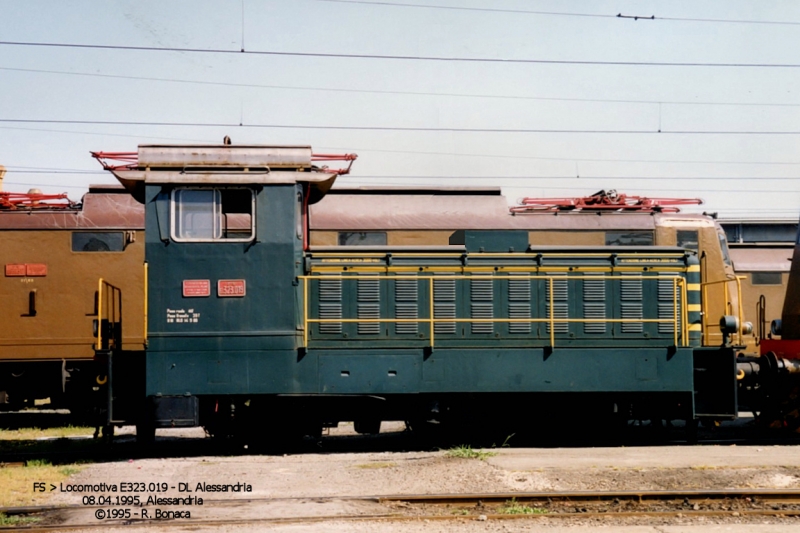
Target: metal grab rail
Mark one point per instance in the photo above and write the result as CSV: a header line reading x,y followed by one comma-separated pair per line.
x,y
679,320
145,317
728,306
109,309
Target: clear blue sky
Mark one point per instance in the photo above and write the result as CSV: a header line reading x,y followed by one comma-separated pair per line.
x,y
734,173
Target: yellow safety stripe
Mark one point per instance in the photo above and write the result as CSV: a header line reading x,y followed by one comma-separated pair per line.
x,y
692,286
695,327
694,307
693,268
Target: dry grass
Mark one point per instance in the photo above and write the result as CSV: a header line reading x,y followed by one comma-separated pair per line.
x,y
36,433
16,483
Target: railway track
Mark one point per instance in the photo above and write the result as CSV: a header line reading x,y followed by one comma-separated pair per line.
x,y
688,504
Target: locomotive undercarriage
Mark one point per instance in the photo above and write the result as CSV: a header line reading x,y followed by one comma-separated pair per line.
x,y
769,386
481,419
265,420
49,385
275,419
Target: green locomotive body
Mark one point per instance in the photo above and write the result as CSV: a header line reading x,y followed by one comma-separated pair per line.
x,y
245,322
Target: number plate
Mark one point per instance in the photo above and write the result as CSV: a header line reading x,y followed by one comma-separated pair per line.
x,y
227,288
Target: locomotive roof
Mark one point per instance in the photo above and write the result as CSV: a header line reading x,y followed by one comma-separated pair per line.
x,y
226,164
373,212
103,207
401,190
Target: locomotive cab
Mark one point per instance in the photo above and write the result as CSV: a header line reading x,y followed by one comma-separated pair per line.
x,y
721,289
224,248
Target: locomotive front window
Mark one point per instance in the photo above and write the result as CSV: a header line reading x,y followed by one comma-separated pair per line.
x,y
202,215
723,244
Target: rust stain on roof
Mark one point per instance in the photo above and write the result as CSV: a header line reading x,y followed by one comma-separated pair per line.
x,y
102,208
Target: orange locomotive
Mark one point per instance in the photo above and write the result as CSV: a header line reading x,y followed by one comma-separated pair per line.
x,y
53,252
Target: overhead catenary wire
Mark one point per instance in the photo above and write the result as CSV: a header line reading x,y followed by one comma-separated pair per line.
x,y
404,93
472,9
95,172
50,170
567,159
399,57
561,13
101,134
582,190
392,128
584,178
446,154
54,185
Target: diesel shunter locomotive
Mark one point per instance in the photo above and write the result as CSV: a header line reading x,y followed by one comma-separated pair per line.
x,y
244,322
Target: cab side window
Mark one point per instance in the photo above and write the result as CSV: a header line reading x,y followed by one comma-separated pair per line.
x,y
629,238
362,238
98,241
688,239
766,278
203,215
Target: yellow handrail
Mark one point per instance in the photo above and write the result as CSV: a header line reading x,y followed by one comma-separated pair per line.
x,y
728,307
741,307
305,311
552,313
112,297
430,316
100,314
675,308
144,336
685,315
678,320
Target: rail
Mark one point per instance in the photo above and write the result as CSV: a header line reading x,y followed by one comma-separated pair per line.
x,y
529,506
679,320
728,306
109,316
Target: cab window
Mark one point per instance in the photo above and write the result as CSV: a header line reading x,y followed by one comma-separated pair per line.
x,y
688,239
362,238
98,241
766,278
723,244
202,215
629,238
